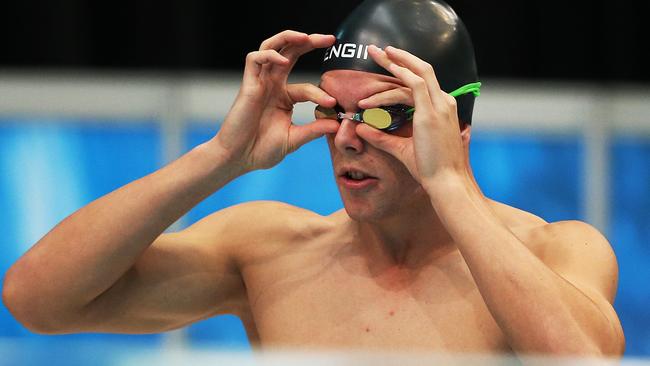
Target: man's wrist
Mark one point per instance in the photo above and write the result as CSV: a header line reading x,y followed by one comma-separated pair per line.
x,y
218,161
448,184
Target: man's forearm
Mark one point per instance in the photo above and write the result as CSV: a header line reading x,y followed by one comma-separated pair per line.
x,y
91,249
538,311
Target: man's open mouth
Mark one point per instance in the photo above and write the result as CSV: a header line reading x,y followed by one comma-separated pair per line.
x,y
356,175
356,179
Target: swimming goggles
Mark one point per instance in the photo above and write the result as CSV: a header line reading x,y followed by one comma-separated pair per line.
x,y
386,118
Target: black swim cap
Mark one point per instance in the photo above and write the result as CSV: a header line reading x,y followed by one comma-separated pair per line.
x,y
429,29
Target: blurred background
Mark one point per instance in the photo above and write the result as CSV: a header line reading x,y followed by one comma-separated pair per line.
x,y
95,94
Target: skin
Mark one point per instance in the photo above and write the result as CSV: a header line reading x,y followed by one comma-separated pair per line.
x,y
420,260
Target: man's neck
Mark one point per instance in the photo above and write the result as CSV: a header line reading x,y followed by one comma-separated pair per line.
x,y
407,239
412,237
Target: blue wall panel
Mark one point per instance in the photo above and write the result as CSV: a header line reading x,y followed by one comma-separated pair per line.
x,y
630,237
538,173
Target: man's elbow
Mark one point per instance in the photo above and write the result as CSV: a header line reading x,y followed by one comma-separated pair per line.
x,y
614,345
26,307
608,345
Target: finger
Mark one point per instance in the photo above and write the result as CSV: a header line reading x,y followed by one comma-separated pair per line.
x,y
302,134
394,145
311,42
321,40
292,45
283,39
400,95
380,56
257,59
439,99
418,66
406,61
295,50
421,97
419,89
310,93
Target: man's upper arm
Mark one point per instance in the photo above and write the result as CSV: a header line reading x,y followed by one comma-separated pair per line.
x,y
181,278
584,257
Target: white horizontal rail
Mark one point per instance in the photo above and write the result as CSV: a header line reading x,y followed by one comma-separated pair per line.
x,y
547,106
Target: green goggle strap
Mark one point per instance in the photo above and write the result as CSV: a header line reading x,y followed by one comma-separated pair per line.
x,y
474,88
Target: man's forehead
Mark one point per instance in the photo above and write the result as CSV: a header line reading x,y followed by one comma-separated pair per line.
x,y
353,85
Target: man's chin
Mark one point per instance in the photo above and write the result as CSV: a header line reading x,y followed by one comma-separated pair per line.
x,y
366,213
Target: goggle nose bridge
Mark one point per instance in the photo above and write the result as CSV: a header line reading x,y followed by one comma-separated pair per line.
x,y
352,116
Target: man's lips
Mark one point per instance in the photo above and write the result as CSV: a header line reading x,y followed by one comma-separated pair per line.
x,y
354,184
354,179
352,172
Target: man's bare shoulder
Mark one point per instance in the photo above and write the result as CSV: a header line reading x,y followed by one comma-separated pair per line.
x,y
575,245
255,218
569,242
550,237
251,228
574,249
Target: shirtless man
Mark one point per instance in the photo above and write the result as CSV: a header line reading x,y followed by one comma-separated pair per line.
x,y
418,259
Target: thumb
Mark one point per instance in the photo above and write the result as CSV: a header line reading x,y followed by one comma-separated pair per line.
x,y
302,134
394,145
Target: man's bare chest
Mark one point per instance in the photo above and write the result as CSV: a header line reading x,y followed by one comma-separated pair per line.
x,y
329,304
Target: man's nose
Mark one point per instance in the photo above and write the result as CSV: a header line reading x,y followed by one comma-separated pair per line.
x,y
346,140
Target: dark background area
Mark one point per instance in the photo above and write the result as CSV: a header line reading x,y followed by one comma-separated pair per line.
x,y
531,39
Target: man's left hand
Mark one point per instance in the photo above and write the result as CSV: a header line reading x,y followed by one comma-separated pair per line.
x,y
435,148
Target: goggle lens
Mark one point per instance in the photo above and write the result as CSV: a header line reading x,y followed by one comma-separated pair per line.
x,y
324,112
377,118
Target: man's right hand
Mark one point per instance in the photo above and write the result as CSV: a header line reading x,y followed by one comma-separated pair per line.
x,y
258,131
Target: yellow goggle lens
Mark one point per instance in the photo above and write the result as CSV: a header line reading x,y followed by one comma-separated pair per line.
x,y
377,118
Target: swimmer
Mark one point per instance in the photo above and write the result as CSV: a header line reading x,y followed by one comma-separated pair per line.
x,y
417,260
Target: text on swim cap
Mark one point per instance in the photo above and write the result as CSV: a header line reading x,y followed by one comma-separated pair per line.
x,y
346,50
